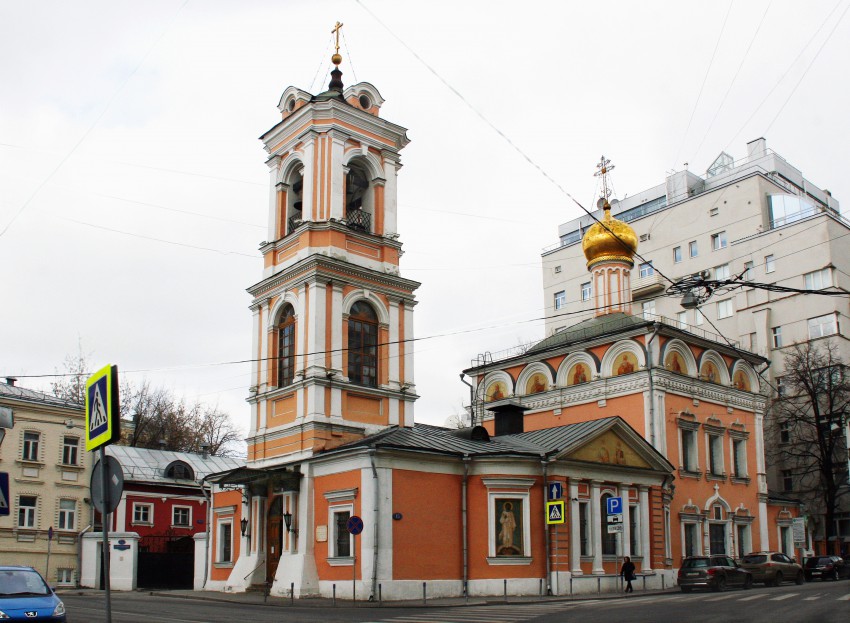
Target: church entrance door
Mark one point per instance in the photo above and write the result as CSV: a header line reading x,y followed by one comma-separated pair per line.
x,y
274,542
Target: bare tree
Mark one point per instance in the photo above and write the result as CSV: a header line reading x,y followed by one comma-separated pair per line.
x,y
71,386
807,429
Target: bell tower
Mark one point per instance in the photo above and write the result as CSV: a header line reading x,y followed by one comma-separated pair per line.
x,y
332,316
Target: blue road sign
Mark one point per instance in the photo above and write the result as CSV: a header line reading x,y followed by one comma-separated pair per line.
x,y
556,490
4,493
615,506
355,525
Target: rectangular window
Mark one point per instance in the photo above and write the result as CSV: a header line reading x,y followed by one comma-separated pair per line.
x,y
341,546
776,333
584,537
31,442
819,279
585,291
648,310
769,263
780,386
560,299
718,241
181,516
822,326
26,511
142,513
634,530
64,576
724,309
682,319
67,514
739,454
677,255
693,251
646,269
691,540
689,451
699,317
722,272
749,271
225,542
717,540
787,480
743,540
715,454
70,450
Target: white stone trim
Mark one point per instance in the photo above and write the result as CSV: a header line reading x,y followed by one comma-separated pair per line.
x,y
617,349
529,371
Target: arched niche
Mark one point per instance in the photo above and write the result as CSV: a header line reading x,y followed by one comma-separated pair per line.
x,y
576,369
677,357
712,368
535,378
497,385
624,357
744,377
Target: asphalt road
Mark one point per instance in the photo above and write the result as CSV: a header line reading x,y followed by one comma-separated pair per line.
x,y
818,602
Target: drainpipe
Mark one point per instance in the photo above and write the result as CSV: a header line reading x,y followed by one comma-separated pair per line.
x,y
652,440
208,498
471,399
80,553
543,465
466,462
375,521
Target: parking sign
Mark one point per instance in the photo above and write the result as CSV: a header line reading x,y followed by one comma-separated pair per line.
x,y
615,506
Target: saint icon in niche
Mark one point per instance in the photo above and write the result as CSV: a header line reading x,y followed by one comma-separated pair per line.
x,y
619,455
497,391
603,455
741,382
509,528
709,373
625,364
580,374
536,384
673,363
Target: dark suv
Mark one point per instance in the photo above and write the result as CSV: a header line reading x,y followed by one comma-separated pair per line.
x,y
714,572
772,568
826,567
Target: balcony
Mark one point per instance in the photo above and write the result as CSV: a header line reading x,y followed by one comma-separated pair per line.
x,y
643,286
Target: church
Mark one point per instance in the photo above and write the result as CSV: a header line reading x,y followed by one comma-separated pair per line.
x,y
616,437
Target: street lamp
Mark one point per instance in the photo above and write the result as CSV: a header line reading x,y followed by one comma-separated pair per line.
x,y
244,525
287,519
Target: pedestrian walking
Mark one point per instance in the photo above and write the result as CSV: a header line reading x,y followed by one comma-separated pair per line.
x,y
628,573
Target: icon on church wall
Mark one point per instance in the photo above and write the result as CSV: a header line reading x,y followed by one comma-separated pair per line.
x,y
625,364
578,374
508,527
673,362
741,381
709,373
496,391
536,384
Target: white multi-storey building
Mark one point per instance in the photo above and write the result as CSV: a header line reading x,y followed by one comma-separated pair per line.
x,y
758,217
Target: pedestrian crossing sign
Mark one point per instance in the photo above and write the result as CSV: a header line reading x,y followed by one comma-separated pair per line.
x,y
555,512
102,409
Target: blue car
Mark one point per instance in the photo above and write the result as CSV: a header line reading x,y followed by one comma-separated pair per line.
x,y
25,596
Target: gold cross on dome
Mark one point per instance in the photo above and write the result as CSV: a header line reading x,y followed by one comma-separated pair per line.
x,y
335,31
602,170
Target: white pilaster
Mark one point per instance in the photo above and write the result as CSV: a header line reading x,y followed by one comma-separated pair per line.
x,y
394,345
575,530
309,175
274,171
337,175
391,167
645,545
626,534
596,524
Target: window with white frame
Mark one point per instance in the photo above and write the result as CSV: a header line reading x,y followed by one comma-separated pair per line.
x,y
682,319
67,514
691,539
819,279
721,272
739,457
718,241
749,271
560,299
64,576
142,513
822,326
724,308
776,334
70,450
584,528
341,543
585,291
769,263
744,538
787,480
224,547
648,310
677,255
646,269
715,454
181,516
693,250
32,441
689,450
27,505
699,318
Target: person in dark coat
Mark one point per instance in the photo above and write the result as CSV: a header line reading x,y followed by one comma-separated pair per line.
x,y
628,573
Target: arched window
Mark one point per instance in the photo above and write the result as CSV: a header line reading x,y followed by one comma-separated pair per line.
x,y
286,347
357,198
363,345
179,470
293,208
609,541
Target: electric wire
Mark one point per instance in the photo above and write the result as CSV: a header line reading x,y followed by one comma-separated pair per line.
x,y
348,54
322,63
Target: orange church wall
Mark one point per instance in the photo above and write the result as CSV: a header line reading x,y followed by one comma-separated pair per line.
x,y
366,409
322,485
431,519
223,499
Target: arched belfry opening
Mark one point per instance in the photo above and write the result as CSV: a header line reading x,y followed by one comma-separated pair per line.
x,y
294,201
358,197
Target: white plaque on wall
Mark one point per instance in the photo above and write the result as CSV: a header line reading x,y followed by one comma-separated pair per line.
x,y
321,534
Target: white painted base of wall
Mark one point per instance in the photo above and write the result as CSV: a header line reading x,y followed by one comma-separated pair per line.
x,y
297,572
123,563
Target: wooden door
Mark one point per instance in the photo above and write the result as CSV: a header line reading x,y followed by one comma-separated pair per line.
x,y
274,542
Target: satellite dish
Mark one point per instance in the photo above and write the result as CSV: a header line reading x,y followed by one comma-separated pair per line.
x,y
600,202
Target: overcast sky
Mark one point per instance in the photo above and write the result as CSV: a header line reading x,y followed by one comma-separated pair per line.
x,y
133,189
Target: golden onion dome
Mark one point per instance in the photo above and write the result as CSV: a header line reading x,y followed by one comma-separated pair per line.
x,y
610,240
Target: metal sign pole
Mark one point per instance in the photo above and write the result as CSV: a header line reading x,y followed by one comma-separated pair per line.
x,y
104,516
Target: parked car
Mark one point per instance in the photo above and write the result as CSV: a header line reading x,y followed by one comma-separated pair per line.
x,y
826,567
25,596
714,572
773,568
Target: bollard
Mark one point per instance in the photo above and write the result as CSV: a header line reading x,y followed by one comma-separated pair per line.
x,y
662,581
571,585
644,583
598,585
423,593
334,599
292,593
541,587
380,598
506,590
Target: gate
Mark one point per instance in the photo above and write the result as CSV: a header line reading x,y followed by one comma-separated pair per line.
x,y
166,561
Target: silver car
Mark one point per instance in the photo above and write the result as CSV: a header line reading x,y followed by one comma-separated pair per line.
x,y
714,572
773,568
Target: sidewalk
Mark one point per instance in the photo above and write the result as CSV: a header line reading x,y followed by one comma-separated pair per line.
x,y
257,598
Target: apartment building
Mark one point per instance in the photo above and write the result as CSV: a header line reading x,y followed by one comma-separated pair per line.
x,y
757,217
